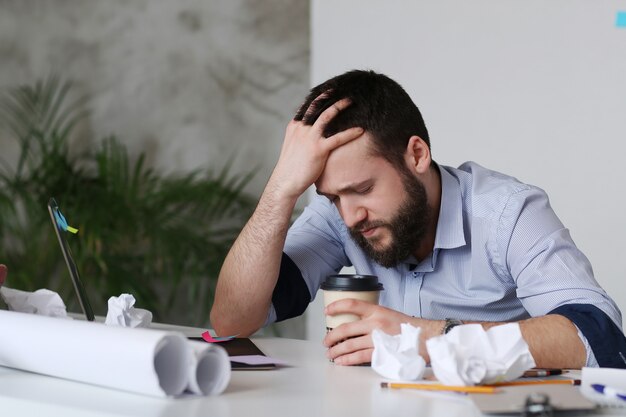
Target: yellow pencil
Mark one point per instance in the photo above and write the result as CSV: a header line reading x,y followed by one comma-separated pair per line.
x,y
439,387
536,382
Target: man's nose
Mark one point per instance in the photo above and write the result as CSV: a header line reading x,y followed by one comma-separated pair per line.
x,y
352,214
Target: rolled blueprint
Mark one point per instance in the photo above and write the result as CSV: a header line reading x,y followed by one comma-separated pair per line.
x,y
209,369
144,361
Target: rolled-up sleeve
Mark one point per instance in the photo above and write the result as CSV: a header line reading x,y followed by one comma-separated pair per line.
x,y
313,250
547,267
550,272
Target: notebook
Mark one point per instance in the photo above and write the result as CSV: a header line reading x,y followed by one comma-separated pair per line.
x,y
242,346
58,222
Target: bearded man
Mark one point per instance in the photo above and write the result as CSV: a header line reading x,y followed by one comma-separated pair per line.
x,y
450,245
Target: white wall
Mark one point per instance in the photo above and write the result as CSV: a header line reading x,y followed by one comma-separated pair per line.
x,y
531,88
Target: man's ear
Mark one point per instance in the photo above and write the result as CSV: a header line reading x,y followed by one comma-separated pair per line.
x,y
418,155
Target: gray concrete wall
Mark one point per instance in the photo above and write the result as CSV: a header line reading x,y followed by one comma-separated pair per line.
x,y
190,82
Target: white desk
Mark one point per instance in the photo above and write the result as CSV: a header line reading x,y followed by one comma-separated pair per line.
x,y
311,387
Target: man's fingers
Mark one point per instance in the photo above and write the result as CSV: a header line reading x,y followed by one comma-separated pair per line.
x,y
353,351
312,105
349,305
347,332
328,114
341,138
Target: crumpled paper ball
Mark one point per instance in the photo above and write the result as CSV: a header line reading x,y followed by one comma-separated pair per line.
x,y
122,313
397,356
43,302
470,355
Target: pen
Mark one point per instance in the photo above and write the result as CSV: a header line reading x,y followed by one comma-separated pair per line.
x,y
439,387
609,392
536,382
542,372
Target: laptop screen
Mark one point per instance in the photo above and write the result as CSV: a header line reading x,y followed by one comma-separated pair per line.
x,y
60,228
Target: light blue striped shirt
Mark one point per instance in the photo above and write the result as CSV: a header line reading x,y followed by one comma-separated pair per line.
x,y
500,254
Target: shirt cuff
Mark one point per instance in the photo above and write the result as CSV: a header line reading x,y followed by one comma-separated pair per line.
x,y
591,358
271,317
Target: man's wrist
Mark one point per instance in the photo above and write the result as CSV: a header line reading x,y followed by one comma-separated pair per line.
x,y
280,192
449,324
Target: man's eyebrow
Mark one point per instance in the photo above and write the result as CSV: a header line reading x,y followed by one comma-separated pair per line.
x,y
348,188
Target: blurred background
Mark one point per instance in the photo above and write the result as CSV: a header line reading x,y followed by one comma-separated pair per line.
x,y
110,107
156,123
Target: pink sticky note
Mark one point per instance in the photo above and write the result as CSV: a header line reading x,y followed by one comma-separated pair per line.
x,y
210,339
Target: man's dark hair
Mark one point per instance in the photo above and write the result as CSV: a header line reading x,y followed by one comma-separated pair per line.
x,y
379,105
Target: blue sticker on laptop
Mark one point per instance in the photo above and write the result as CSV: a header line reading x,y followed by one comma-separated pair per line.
x,y
63,223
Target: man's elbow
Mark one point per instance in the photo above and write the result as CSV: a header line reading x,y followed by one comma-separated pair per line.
x,y
220,322
225,324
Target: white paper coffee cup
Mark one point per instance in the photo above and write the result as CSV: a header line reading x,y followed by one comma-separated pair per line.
x,y
360,287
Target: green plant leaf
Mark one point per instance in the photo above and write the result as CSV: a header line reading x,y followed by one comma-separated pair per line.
x,y
159,237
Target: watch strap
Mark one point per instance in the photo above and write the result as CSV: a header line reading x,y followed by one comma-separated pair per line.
x,y
450,324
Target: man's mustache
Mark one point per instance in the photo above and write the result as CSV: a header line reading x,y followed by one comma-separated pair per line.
x,y
365,225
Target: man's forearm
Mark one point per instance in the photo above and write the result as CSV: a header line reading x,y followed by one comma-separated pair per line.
x,y
250,270
552,340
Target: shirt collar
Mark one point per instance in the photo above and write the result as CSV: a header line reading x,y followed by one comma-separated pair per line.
x,y
450,233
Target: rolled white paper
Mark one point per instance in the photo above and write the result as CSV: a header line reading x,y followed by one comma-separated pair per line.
x,y
209,369
144,361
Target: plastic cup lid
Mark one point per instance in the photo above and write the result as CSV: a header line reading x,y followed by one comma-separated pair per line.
x,y
352,282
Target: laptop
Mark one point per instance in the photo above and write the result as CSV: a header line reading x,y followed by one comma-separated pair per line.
x,y
60,228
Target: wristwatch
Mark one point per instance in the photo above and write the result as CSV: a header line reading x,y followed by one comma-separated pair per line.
x,y
449,324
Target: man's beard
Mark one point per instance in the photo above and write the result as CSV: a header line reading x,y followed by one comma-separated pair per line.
x,y
408,226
